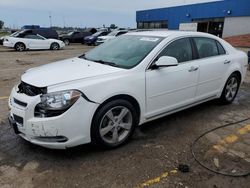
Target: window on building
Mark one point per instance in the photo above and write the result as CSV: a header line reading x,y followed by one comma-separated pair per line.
x,y
152,25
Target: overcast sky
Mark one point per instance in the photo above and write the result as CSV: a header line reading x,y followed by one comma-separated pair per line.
x,y
81,13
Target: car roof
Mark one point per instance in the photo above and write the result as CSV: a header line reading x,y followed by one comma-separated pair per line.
x,y
167,33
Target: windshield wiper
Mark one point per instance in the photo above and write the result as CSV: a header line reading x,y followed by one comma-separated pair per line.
x,y
84,57
106,63
99,61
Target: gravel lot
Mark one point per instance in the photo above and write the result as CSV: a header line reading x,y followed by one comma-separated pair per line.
x,y
149,160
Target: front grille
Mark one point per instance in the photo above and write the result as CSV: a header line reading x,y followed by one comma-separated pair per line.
x,y
18,119
20,102
31,90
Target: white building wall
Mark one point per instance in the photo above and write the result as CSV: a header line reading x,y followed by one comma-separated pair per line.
x,y
234,26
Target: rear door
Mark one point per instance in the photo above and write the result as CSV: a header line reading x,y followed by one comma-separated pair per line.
x,y
213,63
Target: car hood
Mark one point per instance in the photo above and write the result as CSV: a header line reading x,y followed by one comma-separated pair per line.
x,y
106,37
66,71
55,40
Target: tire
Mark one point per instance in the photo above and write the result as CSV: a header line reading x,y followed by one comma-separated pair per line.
x,y
230,89
114,124
20,47
66,41
54,46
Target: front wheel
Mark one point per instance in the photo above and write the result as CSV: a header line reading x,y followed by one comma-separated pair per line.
x,y
230,89
54,46
20,47
114,124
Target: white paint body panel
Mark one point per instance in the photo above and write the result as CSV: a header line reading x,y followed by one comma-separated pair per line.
x,y
32,44
158,92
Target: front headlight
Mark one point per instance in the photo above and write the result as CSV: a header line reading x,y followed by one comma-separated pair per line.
x,y
54,104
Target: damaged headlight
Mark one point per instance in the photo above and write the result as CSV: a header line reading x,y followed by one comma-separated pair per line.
x,y
54,104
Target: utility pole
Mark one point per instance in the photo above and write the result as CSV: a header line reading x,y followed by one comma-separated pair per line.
x,y
63,21
50,19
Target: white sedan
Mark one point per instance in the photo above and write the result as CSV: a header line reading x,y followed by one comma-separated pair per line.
x,y
32,42
110,36
100,97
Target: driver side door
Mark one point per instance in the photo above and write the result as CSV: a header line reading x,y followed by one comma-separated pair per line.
x,y
171,88
36,42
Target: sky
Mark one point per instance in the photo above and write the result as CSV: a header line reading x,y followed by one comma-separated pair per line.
x,y
79,13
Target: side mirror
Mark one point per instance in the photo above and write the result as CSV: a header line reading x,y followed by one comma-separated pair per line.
x,y
165,61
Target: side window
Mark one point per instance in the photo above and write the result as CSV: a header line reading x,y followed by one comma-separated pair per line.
x,y
76,35
33,37
206,47
121,33
180,49
221,50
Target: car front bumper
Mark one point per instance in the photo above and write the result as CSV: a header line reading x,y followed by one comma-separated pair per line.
x,y
8,44
69,129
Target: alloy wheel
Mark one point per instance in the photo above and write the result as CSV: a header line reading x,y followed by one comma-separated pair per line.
x,y
20,47
231,88
55,46
116,125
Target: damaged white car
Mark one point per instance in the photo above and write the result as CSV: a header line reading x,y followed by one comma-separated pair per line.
x,y
101,96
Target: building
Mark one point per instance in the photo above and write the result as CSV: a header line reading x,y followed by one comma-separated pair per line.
x,y
223,18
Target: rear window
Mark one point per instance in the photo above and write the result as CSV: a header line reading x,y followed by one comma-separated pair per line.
x,y
220,48
206,47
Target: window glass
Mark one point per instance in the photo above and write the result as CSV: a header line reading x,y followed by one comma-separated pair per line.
x,y
33,37
206,47
125,51
220,48
180,49
121,33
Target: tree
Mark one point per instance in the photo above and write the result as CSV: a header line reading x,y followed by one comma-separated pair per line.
x,y
113,26
1,24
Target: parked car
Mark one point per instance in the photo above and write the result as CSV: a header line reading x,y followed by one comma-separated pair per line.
x,y
91,40
24,41
76,36
110,36
101,96
3,37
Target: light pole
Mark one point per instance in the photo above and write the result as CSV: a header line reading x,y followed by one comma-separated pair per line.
x,y
50,19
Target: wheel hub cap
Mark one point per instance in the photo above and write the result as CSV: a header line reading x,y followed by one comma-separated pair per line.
x,y
231,88
116,125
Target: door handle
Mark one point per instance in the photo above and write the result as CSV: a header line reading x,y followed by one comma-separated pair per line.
x,y
227,62
192,69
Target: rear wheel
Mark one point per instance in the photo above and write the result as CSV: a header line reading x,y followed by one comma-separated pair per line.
x,y
20,47
114,124
230,89
54,46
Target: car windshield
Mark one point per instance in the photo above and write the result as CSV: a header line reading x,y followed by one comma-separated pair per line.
x,y
70,33
125,51
113,33
15,34
97,34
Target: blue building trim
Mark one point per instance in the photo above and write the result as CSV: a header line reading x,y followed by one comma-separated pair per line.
x,y
188,13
